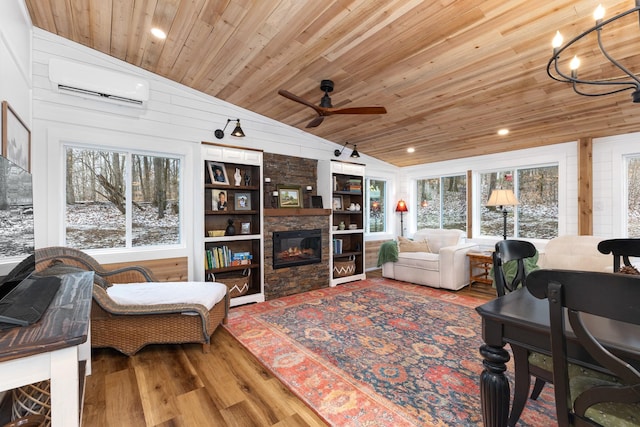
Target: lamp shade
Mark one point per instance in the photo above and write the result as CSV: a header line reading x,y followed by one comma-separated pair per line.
x,y
238,130
401,206
502,198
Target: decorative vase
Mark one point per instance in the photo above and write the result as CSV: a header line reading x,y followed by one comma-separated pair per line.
x,y
237,177
230,230
342,226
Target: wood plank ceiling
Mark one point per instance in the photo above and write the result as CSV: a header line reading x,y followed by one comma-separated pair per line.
x,y
450,73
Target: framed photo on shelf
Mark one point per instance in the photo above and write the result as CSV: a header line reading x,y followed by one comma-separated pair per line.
x,y
16,138
289,196
217,173
337,203
242,202
245,228
219,200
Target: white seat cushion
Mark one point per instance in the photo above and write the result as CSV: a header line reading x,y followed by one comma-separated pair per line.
x,y
423,260
152,293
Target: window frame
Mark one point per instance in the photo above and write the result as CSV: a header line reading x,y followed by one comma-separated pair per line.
x,y
385,207
513,213
128,153
50,195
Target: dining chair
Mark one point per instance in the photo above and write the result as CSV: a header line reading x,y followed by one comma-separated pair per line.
x,y
510,270
621,249
586,396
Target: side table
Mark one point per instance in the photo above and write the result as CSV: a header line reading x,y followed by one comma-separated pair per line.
x,y
480,261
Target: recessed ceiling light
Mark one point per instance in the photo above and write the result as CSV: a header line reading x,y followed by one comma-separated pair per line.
x,y
159,33
411,150
503,132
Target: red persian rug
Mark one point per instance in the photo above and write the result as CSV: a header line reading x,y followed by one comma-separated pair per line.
x,y
378,353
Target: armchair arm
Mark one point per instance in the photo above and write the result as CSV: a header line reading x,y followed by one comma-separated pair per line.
x,y
131,274
454,266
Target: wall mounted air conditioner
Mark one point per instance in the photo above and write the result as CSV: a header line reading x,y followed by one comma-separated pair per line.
x,y
98,83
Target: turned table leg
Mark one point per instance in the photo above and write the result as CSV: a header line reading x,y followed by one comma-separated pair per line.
x,y
494,386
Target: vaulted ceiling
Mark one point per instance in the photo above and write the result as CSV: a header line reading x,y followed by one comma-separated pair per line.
x,y
450,73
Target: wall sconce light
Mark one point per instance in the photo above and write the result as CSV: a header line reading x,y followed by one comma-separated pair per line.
x,y
354,153
237,131
402,208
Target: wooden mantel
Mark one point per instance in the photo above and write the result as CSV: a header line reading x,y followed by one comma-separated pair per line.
x,y
297,212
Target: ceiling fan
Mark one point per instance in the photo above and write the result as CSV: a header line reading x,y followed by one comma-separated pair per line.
x,y
325,108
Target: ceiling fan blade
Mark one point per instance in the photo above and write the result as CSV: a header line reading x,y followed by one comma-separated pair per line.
x,y
315,122
303,101
356,110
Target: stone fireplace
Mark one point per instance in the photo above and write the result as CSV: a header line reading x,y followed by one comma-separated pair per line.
x,y
296,278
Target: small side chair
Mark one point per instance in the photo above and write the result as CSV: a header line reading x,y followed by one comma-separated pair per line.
x,y
621,249
509,273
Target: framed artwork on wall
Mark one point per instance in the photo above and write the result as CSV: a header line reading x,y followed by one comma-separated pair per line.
x,y
289,196
217,173
16,138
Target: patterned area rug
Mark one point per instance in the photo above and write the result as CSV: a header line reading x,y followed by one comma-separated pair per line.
x,y
378,353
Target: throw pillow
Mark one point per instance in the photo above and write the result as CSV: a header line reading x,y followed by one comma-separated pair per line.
x,y
408,245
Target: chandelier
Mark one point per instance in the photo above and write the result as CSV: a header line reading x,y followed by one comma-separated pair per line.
x,y
607,86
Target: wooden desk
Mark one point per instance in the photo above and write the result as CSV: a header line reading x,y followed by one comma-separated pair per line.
x,y
57,348
483,261
522,320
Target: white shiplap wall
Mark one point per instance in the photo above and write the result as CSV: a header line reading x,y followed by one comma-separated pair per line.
x,y
175,120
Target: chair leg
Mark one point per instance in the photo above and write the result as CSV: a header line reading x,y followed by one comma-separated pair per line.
x,y
522,381
537,388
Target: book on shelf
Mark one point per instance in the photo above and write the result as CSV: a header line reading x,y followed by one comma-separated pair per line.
x,y
222,256
337,246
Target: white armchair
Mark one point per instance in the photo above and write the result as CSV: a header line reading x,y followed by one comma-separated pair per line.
x,y
445,266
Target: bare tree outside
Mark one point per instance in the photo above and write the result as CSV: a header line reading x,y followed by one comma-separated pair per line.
x,y
536,216
97,199
442,202
16,211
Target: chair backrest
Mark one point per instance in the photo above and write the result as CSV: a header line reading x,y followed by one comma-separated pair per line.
x,y
607,295
620,248
506,251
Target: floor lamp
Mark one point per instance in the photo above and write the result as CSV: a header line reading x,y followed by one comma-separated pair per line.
x,y
502,199
402,208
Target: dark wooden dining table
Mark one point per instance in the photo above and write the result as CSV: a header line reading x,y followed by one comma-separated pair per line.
x,y
520,319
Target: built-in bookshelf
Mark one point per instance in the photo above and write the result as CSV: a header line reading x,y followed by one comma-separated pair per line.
x,y
232,226
346,199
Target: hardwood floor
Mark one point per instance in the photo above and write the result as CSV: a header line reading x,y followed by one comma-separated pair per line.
x,y
182,386
179,385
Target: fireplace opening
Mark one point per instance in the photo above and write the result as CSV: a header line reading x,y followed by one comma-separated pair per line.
x,y
293,248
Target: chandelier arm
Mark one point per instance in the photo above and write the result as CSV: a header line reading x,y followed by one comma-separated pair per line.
x,y
614,62
579,92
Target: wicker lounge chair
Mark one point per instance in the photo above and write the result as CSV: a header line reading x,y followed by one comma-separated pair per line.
x,y
128,328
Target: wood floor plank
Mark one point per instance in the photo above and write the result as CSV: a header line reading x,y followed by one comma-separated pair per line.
x,y
197,409
123,401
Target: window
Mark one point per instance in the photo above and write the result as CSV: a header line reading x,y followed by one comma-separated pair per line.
x,y
633,197
119,199
442,202
536,215
377,200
